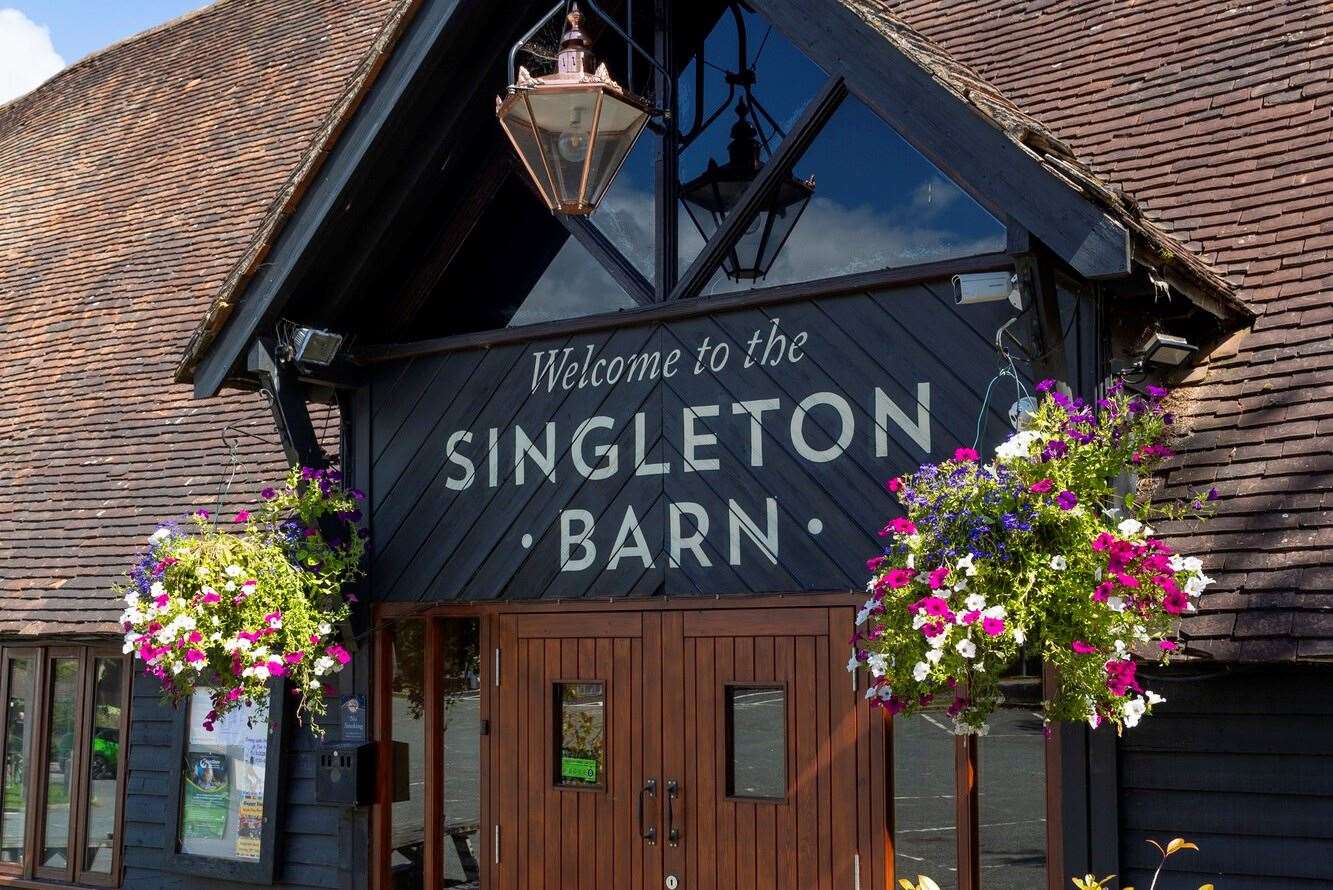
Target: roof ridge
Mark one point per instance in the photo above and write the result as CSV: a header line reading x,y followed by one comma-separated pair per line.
x,y
91,58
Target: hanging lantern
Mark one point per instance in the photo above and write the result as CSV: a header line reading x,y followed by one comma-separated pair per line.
x,y
574,128
709,197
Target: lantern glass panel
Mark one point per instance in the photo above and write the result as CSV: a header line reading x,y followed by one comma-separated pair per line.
x,y
563,121
516,119
618,127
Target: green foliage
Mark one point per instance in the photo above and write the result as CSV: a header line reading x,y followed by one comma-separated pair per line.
x,y
231,608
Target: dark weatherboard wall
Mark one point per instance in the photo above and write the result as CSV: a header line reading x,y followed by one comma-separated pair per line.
x,y
1240,761
740,452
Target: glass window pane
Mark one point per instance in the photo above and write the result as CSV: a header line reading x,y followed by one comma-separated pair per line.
x,y
574,284
104,764
409,751
223,786
580,714
877,204
785,82
18,729
461,690
62,715
923,798
1011,785
626,216
756,741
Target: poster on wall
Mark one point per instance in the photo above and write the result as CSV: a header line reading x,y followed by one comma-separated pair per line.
x,y
250,825
207,796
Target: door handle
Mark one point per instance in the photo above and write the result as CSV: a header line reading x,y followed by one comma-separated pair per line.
x,y
650,833
673,833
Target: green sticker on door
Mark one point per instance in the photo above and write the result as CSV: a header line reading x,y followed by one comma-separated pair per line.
x,y
584,769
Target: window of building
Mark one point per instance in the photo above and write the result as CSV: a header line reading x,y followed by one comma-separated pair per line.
x,y
971,812
64,711
580,712
756,742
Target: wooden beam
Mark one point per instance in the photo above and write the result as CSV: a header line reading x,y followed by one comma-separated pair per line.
x,y
802,133
479,187
667,234
868,282
291,415
620,268
965,144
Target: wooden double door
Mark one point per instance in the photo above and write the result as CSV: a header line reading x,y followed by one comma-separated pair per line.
x,y
711,748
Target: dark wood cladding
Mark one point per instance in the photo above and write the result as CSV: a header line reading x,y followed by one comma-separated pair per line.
x,y
1240,762
436,542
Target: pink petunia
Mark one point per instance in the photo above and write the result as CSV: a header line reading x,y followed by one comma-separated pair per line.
x,y
894,485
1167,646
1103,592
966,454
874,562
211,596
1082,648
896,579
971,617
161,601
193,655
903,526
992,626
277,669
1041,487
243,516
938,577
294,657
1175,602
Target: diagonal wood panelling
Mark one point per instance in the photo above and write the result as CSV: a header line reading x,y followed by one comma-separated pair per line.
x,y
511,532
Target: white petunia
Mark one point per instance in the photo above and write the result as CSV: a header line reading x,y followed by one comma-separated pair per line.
x,y
1153,698
1193,564
1059,563
202,572
961,585
234,571
325,628
157,589
1115,603
1019,636
878,664
965,565
975,602
1019,445
1133,711
966,648
132,598
1129,527
993,612
934,655
862,616
160,535
920,671
853,663
911,560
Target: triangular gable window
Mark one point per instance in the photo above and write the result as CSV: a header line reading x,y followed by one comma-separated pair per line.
x,y
574,284
877,204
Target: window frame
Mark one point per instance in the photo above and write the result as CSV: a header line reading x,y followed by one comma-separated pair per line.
x,y
259,871
37,753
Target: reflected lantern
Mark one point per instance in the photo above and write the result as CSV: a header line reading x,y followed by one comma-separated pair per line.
x,y
572,129
709,197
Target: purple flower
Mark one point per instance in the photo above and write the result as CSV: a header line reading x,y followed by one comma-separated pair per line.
x,y
1155,391
1054,450
1067,500
1212,494
268,494
1046,385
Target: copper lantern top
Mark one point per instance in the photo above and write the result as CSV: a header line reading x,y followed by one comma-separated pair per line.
x,y
572,128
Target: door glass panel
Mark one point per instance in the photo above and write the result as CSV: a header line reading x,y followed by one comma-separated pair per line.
x,y
104,764
580,712
17,745
756,741
62,706
1011,785
224,782
925,840
461,690
407,843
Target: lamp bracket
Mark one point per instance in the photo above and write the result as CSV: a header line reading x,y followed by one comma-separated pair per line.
x,y
664,111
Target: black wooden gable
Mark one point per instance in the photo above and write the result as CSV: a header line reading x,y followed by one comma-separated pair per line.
x,y
382,245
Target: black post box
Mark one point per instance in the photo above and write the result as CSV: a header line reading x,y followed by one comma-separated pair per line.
x,y
346,775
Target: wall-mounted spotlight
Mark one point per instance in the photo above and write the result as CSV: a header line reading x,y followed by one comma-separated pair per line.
x,y
314,346
1165,349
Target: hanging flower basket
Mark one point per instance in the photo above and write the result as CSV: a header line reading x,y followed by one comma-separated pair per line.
x,y
230,607
1036,553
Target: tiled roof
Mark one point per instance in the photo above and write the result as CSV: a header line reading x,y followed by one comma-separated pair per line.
x,y
131,184
1218,118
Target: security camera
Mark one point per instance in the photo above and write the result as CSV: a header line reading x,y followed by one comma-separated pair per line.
x,y
987,287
